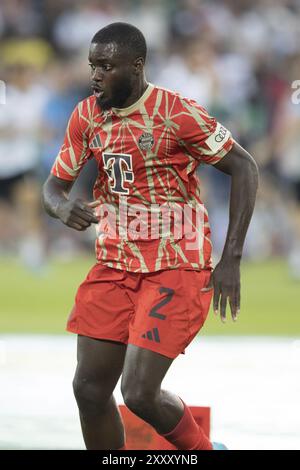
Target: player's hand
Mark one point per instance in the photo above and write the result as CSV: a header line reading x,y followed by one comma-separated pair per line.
x,y
78,214
225,280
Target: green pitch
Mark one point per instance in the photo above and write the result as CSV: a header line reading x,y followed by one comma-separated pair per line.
x,y
41,304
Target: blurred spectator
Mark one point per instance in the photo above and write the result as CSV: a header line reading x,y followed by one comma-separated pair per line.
x,y
75,27
151,18
20,215
21,18
192,73
64,93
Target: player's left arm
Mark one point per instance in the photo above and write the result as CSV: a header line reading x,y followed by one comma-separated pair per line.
x,y
225,280
207,141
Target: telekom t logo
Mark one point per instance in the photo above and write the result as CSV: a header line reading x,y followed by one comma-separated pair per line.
x,y
118,167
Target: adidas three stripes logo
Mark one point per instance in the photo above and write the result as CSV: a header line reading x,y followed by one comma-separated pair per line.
x,y
96,142
152,335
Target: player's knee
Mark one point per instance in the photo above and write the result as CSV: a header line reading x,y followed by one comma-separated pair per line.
x,y
140,400
90,396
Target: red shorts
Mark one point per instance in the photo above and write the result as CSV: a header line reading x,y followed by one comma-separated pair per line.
x,y
161,311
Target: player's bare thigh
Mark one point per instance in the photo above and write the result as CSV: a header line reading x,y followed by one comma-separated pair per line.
x,y
100,364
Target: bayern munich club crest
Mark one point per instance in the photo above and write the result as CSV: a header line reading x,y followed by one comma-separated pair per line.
x,y
146,141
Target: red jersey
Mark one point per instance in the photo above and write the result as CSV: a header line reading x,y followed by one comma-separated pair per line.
x,y
150,212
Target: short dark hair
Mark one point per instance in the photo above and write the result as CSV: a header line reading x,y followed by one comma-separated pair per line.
x,y
126,36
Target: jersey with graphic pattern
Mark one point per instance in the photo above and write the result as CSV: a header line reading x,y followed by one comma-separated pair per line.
x,y
150,212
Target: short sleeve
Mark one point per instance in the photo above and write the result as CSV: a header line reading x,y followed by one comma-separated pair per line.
x,y
74,151
201,135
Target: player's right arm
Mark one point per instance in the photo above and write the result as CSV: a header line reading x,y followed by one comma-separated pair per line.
x,y
76,214
71,158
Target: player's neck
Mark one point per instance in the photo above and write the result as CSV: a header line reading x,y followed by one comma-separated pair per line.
x,y
138,91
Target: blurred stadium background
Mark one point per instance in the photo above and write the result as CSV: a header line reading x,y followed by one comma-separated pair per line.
x,y
238,59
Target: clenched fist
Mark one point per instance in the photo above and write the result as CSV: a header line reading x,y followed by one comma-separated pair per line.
x,y
77,214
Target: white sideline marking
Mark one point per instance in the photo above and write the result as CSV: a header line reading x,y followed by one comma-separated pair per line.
x,y
252,385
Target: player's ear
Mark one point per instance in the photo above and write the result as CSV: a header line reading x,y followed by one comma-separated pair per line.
x,y
139,64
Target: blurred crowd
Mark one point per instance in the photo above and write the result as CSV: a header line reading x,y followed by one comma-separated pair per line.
x,y
237,59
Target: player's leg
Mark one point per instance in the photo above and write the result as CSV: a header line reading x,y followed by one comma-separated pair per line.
x,y
170,311
102,310
143,373
99,367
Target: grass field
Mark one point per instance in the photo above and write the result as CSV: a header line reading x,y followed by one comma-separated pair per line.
x,y
41,304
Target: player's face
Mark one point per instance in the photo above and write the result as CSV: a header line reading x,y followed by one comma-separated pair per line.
x,y
112,75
